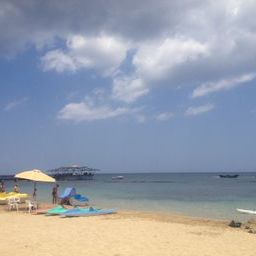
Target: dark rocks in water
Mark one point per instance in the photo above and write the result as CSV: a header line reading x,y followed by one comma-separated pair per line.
x,y
250,226
235,224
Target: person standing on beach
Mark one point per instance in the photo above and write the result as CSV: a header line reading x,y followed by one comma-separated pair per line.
x,y
2,187
55,194
34,193
16,188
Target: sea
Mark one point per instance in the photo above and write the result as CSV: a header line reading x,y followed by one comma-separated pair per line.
x,y
192,194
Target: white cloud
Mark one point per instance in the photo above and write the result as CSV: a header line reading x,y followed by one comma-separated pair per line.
x,y
193,111
15,103
128,89
156,60
103,54
165,116
153,62
221,85
175,43
85,112
58,61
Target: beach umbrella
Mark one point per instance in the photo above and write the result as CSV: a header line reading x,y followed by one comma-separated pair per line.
x,y
35,175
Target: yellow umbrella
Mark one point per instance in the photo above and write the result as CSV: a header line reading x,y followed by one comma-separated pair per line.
x,y
35,175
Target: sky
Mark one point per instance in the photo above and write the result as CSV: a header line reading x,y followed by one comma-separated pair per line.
x,y
128,86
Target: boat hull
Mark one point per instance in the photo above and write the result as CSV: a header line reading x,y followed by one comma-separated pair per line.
x,y
229,176
246,211
72,177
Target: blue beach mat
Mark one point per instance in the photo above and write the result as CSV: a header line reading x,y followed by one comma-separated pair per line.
x,y
83,212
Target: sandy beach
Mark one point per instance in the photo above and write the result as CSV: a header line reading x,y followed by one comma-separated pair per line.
x,y
124,233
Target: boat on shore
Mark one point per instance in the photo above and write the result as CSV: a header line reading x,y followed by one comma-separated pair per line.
x,y
229,176
246,211
73,173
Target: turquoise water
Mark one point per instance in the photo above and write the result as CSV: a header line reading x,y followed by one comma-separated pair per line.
x,y
194,194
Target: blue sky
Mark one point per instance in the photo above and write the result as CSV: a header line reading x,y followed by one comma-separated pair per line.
x,y
148,86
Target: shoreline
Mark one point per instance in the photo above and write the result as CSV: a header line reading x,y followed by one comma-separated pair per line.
x,y
143,214
163,217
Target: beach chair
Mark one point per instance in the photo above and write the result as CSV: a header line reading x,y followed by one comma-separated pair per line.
x,y
13,203
79,200
70,197
31,205
68,192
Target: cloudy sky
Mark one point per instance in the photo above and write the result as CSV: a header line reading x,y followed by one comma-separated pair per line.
x,y
128,85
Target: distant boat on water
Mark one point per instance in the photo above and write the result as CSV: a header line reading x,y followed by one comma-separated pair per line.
x,y
229,176
73,173
117,177
7,177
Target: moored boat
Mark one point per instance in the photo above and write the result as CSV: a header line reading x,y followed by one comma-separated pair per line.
x,y
73,173
117,177
229,176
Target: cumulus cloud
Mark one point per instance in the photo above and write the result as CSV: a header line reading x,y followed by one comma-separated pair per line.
x,y
154,61
225,84
95,106
59,61
85,112
37,23
102,53
128,89
193,111
174,43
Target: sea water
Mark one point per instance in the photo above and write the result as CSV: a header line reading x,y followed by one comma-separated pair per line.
x,y
194,194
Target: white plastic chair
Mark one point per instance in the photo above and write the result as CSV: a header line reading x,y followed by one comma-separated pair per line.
x,y
13,203
31,205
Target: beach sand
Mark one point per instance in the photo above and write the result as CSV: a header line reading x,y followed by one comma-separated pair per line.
x,y
121,234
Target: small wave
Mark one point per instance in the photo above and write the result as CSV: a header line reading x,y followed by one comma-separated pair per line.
x,y
135,181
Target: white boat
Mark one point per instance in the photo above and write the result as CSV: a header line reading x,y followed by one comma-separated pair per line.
x,y
117,177
246,211
73,173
